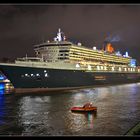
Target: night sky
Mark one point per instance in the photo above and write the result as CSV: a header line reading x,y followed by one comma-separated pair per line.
x,y
23,26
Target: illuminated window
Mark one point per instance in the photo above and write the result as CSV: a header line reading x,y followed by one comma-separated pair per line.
x,y
46,75
77,66
98,67
26,74
37,74
89,67
120,69
112,68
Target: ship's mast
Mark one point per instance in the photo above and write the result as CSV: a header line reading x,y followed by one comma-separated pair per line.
x,y
59,36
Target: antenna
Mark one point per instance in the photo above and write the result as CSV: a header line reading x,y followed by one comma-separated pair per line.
x,y
26,55
43,40
59,37
59,30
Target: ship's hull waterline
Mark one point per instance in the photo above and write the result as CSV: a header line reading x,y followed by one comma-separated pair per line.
x,y
33,79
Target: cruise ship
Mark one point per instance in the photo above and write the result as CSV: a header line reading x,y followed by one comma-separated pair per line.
x,y
62,65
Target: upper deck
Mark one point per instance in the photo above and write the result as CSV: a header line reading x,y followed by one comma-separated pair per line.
x,y
62,50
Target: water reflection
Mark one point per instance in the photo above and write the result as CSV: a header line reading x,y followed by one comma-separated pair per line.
x,y
2,108
33,114
50,114
91,117
8,115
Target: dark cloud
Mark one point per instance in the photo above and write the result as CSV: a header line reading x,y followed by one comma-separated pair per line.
x,y
22,26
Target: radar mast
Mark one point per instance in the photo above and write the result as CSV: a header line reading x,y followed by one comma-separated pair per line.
x,y
60,36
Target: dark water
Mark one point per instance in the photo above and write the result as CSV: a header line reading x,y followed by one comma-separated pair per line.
x,y
45,115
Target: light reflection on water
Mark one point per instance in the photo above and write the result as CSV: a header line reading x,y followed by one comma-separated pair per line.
x,y
118,109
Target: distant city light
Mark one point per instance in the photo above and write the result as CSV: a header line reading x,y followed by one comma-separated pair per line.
x,y
1,91
133,63
1,86
2,78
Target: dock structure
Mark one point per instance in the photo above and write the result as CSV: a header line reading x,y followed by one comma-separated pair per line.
x,y
135,130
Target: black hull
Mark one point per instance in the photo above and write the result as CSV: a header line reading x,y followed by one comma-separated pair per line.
x,y
61,79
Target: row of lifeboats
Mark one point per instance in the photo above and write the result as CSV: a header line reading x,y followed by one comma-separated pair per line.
x,y
88,107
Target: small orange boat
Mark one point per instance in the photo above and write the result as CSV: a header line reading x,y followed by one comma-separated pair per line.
x,y
86,108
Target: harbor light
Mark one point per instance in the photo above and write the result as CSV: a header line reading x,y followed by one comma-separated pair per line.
x,y
2,86
2,77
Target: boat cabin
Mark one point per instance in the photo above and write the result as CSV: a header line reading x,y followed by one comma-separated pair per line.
x,y
87,105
